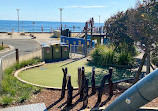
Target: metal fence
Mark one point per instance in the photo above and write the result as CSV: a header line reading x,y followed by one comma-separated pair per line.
x,y
78,51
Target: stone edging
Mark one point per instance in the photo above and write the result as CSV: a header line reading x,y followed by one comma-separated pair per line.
x,y
49,87
8,49
30,67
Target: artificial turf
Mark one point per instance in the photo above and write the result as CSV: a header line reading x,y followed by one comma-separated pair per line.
x,y
52,75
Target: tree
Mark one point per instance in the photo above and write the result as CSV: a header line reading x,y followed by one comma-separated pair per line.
x,y
139,24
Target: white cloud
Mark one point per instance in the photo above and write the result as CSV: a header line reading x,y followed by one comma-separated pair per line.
x,y
85,6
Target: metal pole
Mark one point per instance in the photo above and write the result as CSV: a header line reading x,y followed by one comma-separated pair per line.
x,y
138,95
99,20
22,27
86,26
33,26
61,9
18,18
99,27
91,31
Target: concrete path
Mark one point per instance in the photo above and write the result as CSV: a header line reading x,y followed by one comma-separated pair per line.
x,y
144,66
31,107
24,45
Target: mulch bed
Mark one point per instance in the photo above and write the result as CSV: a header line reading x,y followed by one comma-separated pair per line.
x,y
52,100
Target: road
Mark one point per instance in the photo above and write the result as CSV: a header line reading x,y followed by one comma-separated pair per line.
x,y
24,45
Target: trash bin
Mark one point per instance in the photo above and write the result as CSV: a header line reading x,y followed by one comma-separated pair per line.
x,y
64,51
56,51
46,52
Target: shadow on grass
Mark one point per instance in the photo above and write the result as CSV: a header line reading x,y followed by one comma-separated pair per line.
x,y
73,60
118,73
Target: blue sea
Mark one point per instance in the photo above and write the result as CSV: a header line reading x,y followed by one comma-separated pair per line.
x,y
28,26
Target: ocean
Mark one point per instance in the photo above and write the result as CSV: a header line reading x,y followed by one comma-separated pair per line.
x,y
37,26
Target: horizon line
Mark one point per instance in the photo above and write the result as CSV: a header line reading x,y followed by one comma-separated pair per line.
x,y
41,21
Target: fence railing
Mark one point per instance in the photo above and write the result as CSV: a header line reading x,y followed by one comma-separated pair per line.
x,y
78,51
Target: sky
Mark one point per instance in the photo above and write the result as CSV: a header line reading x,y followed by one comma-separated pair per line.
x,y
74,10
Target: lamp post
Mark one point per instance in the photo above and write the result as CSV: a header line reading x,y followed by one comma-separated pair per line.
x,y
22,26
18,18
61,9
33,25
99,27
99,20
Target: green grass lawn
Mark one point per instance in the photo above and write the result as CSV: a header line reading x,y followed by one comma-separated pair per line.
x,y
52,75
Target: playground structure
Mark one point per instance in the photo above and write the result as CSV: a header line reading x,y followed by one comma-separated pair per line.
x,y
83,86
131,100
138,95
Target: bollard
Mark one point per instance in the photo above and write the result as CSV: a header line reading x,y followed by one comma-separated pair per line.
x,y
79,79
138,95
110,83
64,83
83,83
69,89
2,44
93,81
85,98
17,55
101,87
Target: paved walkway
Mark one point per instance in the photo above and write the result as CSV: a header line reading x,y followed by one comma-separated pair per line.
x,y
25,45
31,107
144,66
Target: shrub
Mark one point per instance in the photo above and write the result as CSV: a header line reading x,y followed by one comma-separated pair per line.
x,y
13,89
131,49
104,56
6,100
124,58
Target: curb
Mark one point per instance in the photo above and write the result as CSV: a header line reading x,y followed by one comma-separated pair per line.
x,y
30,67
8,49
49,87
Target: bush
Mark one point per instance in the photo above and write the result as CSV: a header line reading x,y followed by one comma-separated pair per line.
x,y
131,49
104,56
6,100
1,47
124,58
13,89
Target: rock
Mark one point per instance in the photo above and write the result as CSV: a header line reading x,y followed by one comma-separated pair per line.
x,y
124,85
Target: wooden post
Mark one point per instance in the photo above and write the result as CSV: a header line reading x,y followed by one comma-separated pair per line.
x,y
102,85
79,79
69,89
83,82
110,82
2,44
148,63
64,83
85,98
93,81
136,78
17,55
